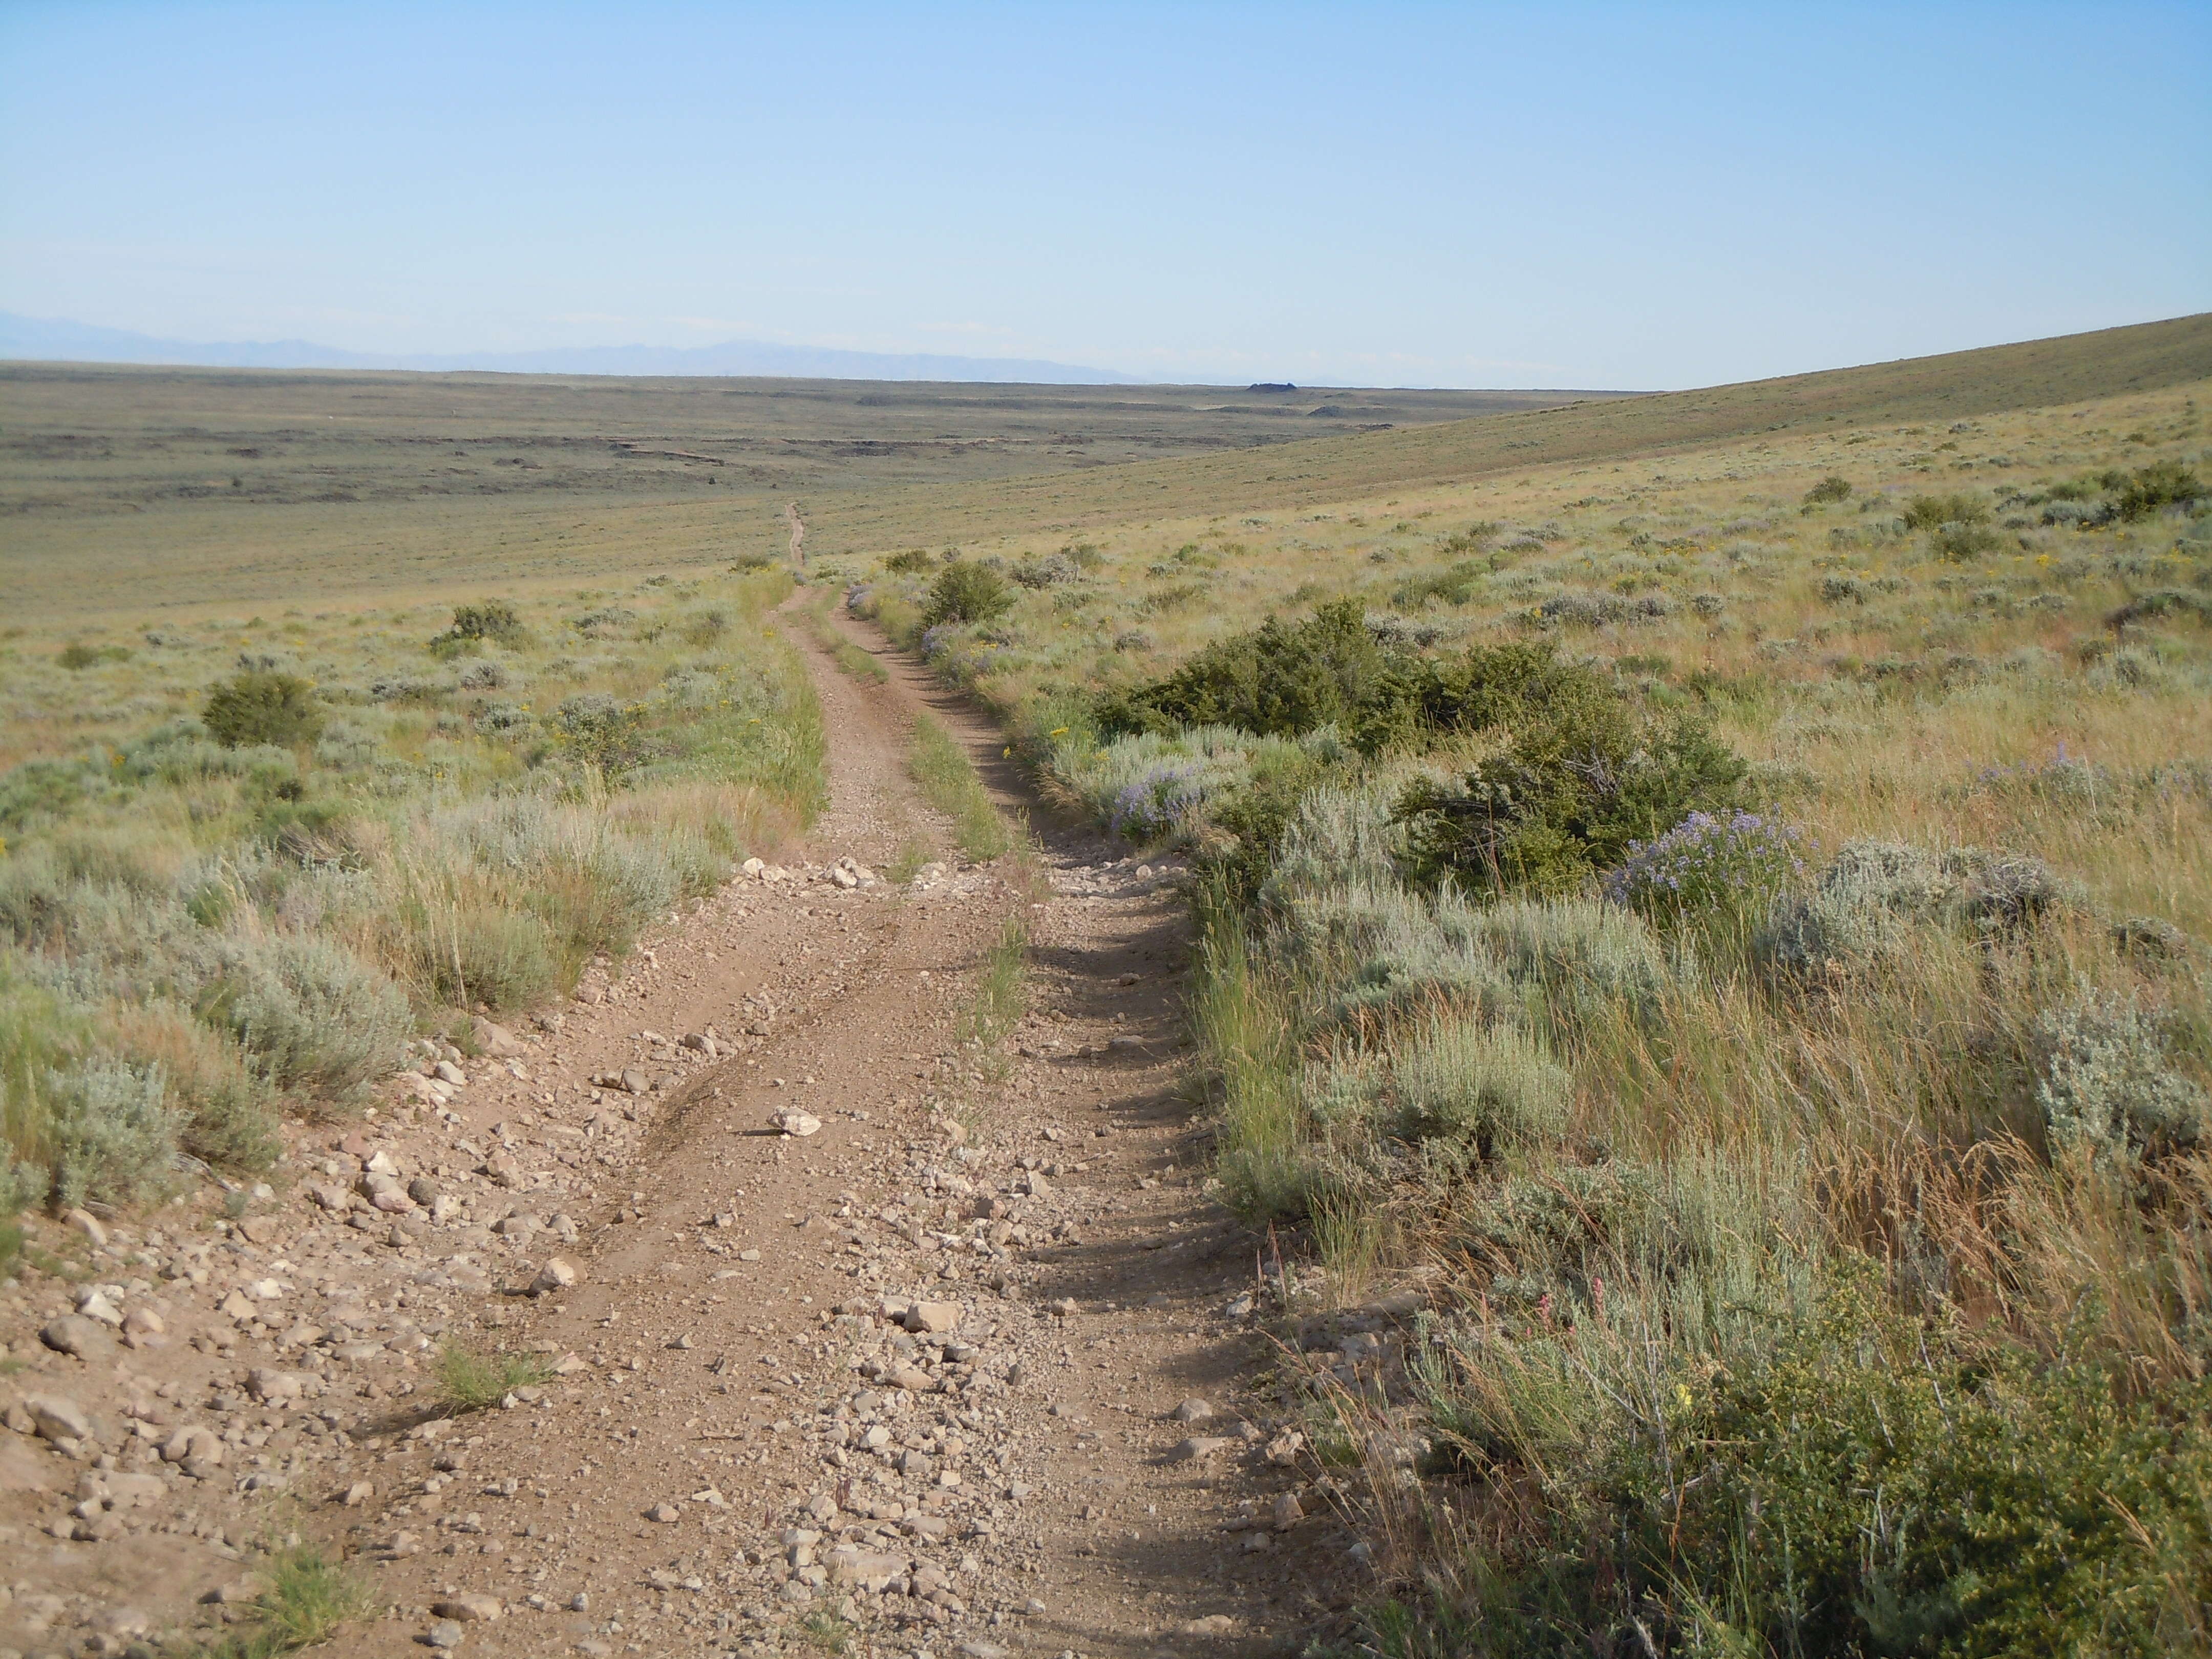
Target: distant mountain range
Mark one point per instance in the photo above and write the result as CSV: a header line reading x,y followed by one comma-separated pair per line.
x,y
59,340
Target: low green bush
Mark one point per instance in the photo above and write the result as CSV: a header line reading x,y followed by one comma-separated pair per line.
x,y
1874,1487
470,1380
109,1132
492,622
1584,780
1493,1087
262,706
967,591
310,1597
311,1014
1728,867
1833,487
2107,1087
602,732
1862,911
1280,679
1288,679
76,654
1962,542
2162,483
1933,512
1852,1481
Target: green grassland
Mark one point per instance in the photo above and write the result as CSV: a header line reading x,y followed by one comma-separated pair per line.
x,y
1729,922
1713,890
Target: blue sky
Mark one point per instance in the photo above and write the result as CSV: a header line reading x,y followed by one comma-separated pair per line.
x,y
1554,195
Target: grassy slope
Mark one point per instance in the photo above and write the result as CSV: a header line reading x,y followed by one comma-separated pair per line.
x,y
1733,1274
2071,368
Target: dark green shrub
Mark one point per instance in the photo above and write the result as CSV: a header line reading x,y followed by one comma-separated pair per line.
x,y
1583,780
1960,542
78,654
966,591
494,619
262,706
2162,602
1877,1487
1869,1484
912,562
1285,679
703,627
1472,539
2162,483
1280,679
607,734
1254,819
1457,584
2076,490
1934,512
1832,487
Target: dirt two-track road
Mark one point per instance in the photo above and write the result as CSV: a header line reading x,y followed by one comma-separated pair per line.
x,y
755,1441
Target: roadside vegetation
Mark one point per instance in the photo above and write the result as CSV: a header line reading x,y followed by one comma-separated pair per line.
x,y
471,1380
309,1599
948,782
248,861
1731,935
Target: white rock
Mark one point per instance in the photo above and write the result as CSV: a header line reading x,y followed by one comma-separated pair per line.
x,y
92,1305
931,1316
497,1040
268,1385
793,1121
57,1417
559,1273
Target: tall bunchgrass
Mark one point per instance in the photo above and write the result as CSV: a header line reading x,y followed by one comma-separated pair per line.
x,y
310,1599
471,1380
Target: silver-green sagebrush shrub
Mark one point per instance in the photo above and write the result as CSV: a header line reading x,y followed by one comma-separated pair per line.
x,y
109,1129
1493,1086
1336,836
1580,955
2107,1088
311,1014
1863,909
